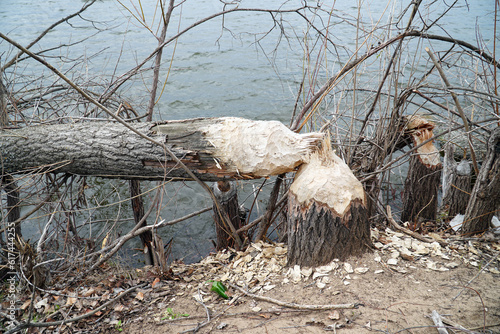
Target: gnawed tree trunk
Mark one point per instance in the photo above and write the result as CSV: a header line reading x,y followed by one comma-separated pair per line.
x,y
424,174
327,214
456,184
212,148
227,196
485,196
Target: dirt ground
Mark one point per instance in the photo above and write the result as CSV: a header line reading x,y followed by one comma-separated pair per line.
x,y
391,302
394,289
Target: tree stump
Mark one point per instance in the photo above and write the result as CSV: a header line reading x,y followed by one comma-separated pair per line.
x,y
138,210
327,214
485,196
420,194
456,184
227,196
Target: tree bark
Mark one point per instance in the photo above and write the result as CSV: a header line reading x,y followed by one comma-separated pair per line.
x,y
327,214
457,184
213,148
485,195
138,210
271,207
4,116
227,196
421,185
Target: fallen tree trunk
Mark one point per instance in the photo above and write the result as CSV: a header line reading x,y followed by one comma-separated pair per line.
x,y
327,214
213,148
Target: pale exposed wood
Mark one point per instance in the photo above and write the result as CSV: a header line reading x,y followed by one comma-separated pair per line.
x,y
436,318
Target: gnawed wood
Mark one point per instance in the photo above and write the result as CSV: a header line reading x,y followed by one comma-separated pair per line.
x,y
213,149
327,215
420,195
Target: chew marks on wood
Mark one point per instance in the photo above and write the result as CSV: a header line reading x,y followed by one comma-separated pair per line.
x,y
260,148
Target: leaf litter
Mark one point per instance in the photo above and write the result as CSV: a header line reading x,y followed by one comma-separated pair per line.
x,y
399,263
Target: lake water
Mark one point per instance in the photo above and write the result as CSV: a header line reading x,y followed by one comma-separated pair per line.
x,y
239,70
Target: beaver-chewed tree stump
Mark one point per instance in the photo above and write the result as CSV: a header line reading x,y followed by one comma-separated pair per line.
x,y
420,195
327,214
485,196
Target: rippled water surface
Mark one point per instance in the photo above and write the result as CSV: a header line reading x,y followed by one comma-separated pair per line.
x,y
237,70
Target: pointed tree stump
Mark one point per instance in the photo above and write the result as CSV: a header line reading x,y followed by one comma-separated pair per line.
x,y
227,196
327,214
420,195
485,196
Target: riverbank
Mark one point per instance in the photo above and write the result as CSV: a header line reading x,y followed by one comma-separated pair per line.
x,y
393,289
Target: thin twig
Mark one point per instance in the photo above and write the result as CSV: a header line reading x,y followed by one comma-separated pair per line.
x,y
130,127
77,318
480,271
297,306
400,228
459,108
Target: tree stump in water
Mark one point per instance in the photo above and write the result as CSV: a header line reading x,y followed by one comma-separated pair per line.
x,y
327,214
485,196
424,174
227,196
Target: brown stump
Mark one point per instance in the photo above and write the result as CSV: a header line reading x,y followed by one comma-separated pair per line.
x,y
420,200
456,184
140,220
485,196
226,216
327,214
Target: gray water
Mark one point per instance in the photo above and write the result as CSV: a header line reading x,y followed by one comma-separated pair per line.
x,y
241,70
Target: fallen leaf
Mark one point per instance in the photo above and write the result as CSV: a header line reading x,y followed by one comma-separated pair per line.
x,y
139,296
119,308
155,282
89,292
70,301
25,304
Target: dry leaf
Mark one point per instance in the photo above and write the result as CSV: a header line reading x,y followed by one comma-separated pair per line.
x,y
70,301
139,296
155,282
89,292
25,304
119,308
